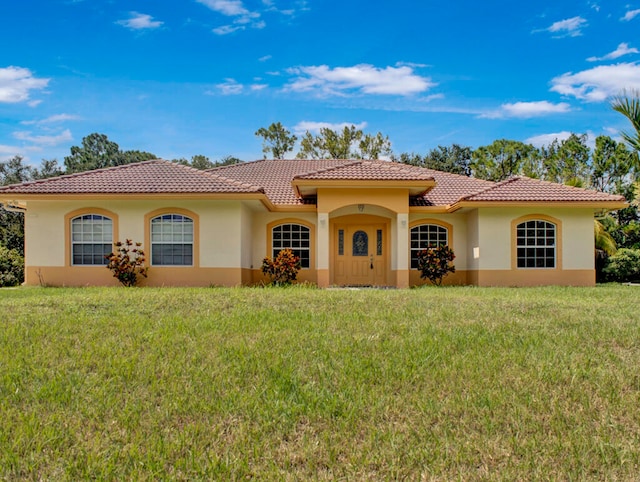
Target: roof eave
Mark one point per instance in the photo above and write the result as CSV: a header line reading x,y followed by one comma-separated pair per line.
x,y
608,205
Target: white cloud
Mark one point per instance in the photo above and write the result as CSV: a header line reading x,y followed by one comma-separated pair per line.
x,y
546,139
140,21
362,78
227,29
570,27
630,15
598,83
258,87
314,127
16,83
264,58
233,8
229,87
64,136
623,49
526,110
230,8
53,119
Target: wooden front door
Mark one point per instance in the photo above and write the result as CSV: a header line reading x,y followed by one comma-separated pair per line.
x,y
360,255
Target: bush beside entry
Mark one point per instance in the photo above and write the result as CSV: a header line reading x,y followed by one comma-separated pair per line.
x,y
283,269
127,263
434,263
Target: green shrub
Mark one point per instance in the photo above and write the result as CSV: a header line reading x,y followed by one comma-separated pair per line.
x,y
127,263
434,263
624,265
11,267
283,269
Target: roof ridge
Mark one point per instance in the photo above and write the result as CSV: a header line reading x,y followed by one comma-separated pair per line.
x,y
347,163
489,188
84,173
234,182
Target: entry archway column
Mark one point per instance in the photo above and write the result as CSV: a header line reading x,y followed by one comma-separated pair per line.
x,y
322,250
402,250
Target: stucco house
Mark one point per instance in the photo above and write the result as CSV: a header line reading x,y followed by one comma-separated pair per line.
x,y
352,222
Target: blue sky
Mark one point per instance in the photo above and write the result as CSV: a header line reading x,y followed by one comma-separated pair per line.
x,y
179,78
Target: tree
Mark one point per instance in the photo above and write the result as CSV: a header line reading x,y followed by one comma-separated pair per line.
x,y
567,161
628,104
227,161
48,168
129,157
455,159
330,144
98,152
277,140
501,159
614,167
349,143
373,146
13,171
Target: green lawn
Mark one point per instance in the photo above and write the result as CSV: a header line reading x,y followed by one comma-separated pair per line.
x,y
299,383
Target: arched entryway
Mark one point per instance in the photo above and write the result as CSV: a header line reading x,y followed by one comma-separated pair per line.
x,y
360,250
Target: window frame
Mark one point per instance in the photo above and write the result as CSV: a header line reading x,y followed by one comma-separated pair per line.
x,y
428,222
281,222
557,246
148,244
68,228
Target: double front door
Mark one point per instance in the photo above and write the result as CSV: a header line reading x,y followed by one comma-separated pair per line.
x,y
359,258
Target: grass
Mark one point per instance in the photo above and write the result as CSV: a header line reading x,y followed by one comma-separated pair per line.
x,y
299,383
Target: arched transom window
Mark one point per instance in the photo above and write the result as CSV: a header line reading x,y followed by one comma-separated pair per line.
x,y
536,244
424,236
172,240
295,237
91,239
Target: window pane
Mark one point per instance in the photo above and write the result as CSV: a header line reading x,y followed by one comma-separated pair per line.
x,y
295,237
91,239
539,238
425,236
172,240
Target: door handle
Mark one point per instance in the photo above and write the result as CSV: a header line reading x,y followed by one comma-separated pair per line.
x,y
371,261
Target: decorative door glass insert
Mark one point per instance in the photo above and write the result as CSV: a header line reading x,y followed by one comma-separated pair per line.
x,y
360,244
340,242
379,242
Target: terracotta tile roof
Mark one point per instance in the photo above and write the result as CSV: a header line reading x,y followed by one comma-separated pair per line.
x,y
148,177
370,171
525,189
275,176
449,188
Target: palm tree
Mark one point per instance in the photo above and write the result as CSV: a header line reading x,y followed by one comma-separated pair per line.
x,y
603,240
628,104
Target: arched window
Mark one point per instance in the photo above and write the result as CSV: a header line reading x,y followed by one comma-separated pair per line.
x,y
91,239
295,237
536,244
424,236
172,240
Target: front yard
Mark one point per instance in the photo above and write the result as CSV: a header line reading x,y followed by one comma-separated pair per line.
x,y
300,383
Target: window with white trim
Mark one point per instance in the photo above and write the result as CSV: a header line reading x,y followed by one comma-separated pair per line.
x,y
426,236
172,240
91,239
536,244
296,237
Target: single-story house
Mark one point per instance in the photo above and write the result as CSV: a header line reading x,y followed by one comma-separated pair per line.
x,y
351,222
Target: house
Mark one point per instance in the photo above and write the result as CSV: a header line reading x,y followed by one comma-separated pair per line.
x,y
351,222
